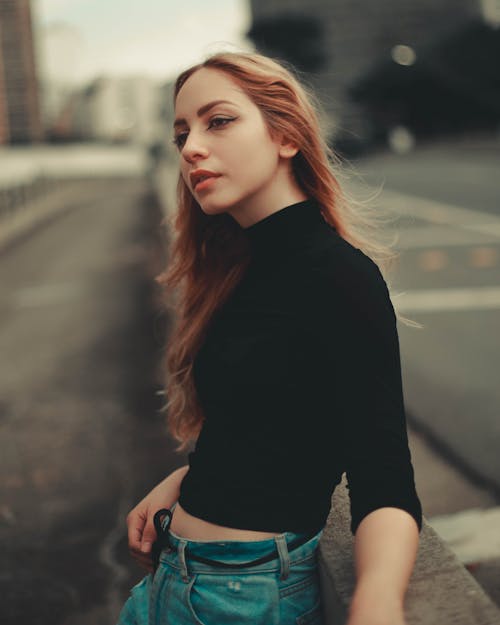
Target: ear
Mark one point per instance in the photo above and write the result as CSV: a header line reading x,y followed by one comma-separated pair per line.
x,y
288,149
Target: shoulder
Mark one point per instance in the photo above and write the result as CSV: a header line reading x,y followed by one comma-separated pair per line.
x,y
340,265
343,280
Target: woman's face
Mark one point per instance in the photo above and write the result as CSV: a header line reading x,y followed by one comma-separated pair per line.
x,y
230,140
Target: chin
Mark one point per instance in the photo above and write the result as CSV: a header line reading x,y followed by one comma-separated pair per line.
x,y
212,210
213,207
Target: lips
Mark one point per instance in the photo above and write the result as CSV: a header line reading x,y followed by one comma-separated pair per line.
x,y
200,175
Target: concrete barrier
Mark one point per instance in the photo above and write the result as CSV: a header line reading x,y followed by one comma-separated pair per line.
x,y
24,209
441,590
39,181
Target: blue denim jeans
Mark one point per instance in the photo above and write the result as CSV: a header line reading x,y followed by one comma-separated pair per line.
x,y
182,591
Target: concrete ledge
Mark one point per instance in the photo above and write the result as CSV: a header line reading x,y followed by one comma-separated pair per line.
x,y
441,590
61,195
27,216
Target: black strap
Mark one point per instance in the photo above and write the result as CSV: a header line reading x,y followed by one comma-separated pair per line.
x,y
162,542
271,556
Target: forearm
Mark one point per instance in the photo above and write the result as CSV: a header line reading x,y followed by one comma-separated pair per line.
x,y
140,520
385,548
171,485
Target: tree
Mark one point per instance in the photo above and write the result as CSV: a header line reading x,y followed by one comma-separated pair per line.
x,y
452,86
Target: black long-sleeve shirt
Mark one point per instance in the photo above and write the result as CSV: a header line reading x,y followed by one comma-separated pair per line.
x,y
300,380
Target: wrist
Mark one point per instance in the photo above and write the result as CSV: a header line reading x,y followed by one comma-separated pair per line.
x,y
376,598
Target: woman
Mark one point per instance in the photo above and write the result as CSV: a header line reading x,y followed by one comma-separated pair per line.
x,y
284,367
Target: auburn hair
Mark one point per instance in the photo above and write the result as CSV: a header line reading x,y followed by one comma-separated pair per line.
x,y
209,254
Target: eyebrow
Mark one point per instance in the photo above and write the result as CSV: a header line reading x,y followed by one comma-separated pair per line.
x,y
202,110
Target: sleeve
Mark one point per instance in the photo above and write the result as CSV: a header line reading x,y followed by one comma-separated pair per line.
x,y
364,348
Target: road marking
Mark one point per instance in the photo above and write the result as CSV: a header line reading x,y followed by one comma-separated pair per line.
x,y
441,212
448,224
439,300
433,260
479,257
45,294
471,534
441,236
488,229
483,256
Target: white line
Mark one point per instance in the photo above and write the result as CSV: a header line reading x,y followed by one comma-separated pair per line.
x,y
445,236
45,294
439,300
489,229
440,212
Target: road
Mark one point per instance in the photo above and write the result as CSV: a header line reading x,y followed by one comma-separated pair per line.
x,y
80,418
445,201
448,279
81,424
462,172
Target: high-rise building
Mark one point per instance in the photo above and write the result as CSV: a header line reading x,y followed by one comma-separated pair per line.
x,y
4,122
358,34
19,102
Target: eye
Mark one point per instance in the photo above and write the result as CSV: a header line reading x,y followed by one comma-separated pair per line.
x,y
179,139
220,119
216,123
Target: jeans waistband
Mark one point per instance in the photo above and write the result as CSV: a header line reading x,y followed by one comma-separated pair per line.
x,y
178,551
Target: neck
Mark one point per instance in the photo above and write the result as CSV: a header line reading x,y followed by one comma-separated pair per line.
x,y
282,191
290,228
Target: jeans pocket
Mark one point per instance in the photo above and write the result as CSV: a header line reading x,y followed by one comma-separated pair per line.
x,y
314,616
300,599
297,587
250,599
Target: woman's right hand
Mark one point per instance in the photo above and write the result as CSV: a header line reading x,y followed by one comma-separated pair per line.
x,y
141,529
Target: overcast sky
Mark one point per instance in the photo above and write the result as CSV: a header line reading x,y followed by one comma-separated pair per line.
x,y
79,39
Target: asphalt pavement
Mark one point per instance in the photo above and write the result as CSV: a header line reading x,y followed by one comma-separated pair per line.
x,y
443,200
82,434
81,339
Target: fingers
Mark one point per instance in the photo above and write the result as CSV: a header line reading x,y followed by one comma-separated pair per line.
x,y
141,535
148,537
136,520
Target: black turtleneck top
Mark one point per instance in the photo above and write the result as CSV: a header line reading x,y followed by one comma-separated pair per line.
x,y
300,381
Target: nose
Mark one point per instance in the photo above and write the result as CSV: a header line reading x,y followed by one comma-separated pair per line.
x,y
193,148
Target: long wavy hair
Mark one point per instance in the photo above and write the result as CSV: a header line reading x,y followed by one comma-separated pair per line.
x,y
209,254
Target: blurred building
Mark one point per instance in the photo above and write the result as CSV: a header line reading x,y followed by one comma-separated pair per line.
x,y
4,122
353,37
167,115
19,101
63,52
114,109
491,12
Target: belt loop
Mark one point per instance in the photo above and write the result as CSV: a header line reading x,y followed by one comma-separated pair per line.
x,y
284,555
181,549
